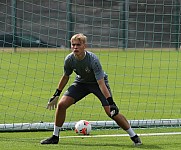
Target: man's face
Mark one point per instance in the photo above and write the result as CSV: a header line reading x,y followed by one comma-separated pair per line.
x,y
77,47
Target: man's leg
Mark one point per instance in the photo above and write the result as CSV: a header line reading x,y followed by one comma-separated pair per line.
x,y
60,115
124,124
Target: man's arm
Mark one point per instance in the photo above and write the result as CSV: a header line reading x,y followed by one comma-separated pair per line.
x,y
103,88
113,108
52,103
63,81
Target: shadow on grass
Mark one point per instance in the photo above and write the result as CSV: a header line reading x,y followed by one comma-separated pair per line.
x,y
104,145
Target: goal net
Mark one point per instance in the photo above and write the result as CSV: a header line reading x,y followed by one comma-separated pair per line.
x,y
137,42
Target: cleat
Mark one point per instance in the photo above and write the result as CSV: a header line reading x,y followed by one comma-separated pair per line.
x,y
136,140
52,140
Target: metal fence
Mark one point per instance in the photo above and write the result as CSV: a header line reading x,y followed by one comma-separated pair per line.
x,y
107,23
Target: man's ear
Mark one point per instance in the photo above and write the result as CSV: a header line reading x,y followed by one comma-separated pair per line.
x,y
85,45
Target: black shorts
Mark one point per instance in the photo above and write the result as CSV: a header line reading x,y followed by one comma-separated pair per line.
x,y
80,90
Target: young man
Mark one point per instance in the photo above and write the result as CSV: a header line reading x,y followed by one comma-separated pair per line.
x,y
90,79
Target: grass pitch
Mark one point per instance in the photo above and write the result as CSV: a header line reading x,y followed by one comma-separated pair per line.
x,y
145,85
31,140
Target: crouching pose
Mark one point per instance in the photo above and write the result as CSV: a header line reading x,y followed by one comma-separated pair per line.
x,y
90,79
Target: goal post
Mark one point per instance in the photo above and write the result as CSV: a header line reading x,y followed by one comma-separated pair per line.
x,y
137,42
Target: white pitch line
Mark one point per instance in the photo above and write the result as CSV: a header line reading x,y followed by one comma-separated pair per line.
x,y
117,135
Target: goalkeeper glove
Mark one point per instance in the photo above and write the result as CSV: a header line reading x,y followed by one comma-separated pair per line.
x,y
113,108
52,103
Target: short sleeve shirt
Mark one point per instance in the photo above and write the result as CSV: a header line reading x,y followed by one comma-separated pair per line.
x,y
88,70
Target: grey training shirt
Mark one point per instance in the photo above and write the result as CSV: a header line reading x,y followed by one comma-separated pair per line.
x,y
88,70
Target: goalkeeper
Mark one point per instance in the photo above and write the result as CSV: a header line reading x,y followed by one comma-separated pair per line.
x,y
90,79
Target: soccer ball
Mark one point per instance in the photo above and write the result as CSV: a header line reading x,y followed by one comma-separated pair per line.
x,y
83,127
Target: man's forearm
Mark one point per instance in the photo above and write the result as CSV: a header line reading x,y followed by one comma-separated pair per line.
x,y
63,81
103,88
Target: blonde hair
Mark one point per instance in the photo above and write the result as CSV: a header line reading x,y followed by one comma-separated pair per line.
x,y
81,37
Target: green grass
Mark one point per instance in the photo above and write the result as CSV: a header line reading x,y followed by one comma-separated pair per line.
x,y
31,140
